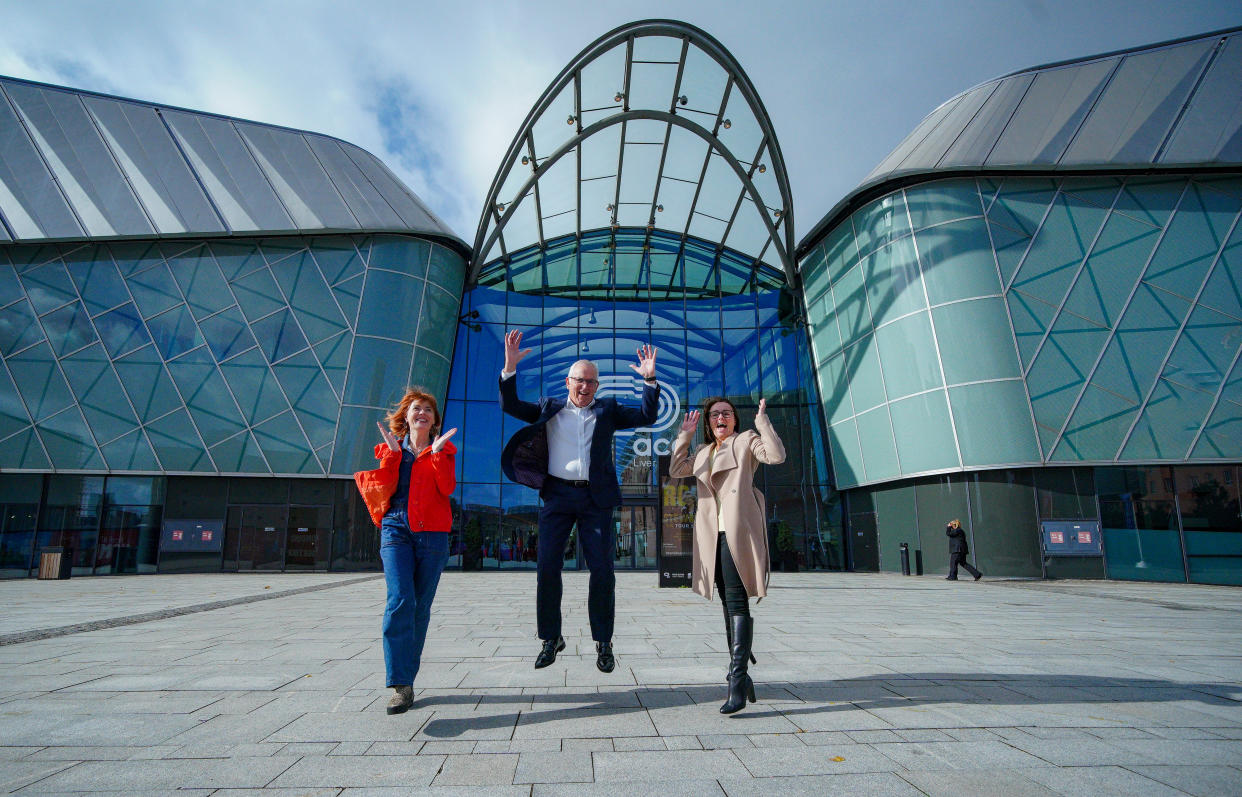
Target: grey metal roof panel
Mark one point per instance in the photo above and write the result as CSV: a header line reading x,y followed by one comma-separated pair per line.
x,y
1211,128
1170,105
76,164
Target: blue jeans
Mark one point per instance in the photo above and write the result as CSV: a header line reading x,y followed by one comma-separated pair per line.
x,y
412,567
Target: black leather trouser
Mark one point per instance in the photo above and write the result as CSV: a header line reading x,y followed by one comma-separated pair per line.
x,y
729,581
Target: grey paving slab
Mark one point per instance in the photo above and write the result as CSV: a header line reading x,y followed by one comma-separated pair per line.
x,y
554,768
440,791
1093,781
128,776
666,765
954,783
853,785
359,771
823,760
477,770
682,787
1205,781
584,723
959,755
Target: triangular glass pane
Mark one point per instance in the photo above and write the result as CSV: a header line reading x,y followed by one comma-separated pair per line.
x,y
236,259
48,286
285,447
308,390
38,379
99,393
206,395
69,442
255,387
333,355
131,452
348,293
147,383
23,450
18,328
177,444
239,454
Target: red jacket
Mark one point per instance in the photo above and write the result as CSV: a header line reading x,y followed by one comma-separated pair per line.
x,y
432,481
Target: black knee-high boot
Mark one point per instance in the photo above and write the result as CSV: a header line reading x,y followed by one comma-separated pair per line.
x,y
729,634
741,688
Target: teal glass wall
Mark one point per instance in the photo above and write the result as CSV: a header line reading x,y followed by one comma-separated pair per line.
x,y
986,323
264,356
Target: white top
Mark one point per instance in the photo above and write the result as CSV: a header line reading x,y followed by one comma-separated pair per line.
x,y
569,440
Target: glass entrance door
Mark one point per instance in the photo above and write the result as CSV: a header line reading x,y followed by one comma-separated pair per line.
x,y
307,539
254,537
637,527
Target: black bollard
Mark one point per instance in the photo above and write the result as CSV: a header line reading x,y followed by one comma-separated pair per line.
x,y
918,561
905,558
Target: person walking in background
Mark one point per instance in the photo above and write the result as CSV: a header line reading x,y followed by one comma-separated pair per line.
x,y
408,497
566,454
958,549
730,533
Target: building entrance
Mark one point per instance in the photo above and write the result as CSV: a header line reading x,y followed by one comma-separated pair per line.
x,y
266,537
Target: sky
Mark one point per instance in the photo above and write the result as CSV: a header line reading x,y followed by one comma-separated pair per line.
x,y
438,90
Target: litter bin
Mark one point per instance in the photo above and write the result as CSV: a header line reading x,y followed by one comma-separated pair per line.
x,y
56,563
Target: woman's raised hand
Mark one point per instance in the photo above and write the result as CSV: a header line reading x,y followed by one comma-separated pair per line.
x,y
763,407
690,421
439,442
389,437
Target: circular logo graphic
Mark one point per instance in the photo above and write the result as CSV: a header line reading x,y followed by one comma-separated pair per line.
x,y
629,390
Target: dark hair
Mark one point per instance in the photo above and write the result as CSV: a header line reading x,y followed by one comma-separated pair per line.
x,y
708,437
397,418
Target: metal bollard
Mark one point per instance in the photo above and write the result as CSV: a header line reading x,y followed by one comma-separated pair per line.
x,y
905,558
918,561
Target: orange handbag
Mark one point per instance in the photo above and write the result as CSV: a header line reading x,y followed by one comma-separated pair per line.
x,y
377,486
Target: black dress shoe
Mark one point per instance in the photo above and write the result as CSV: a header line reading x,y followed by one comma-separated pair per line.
x,y
979,576
950,578
605,661
548,655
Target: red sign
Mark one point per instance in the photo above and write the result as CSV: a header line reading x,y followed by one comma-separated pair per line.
x,y
1084,536
207,536
1057,537
177,534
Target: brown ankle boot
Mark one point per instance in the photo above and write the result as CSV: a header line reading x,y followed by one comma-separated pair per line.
x,y
402,699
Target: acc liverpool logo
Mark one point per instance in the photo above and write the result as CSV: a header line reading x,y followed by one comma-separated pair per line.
x,y
630,390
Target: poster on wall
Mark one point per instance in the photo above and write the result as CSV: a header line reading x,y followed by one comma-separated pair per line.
x,y
192,536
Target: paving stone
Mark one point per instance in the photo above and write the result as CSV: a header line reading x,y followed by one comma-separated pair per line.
x,y
955,783
860,785
477,770
680,787
129,776
1096,780
959,755
1205,781
559,723
554,768
666,765
364,770
448,748
586,745
724,741
825,760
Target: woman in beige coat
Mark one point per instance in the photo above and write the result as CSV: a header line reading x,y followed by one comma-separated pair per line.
x,y
730,527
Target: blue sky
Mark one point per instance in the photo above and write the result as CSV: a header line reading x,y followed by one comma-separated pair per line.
x,y
438,90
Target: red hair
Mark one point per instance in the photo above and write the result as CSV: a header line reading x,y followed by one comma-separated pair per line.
x,y
397,422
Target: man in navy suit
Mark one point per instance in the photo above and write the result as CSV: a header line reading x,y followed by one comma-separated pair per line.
x,y
566,454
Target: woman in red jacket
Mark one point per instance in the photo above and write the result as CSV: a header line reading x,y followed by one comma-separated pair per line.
x,y
414,533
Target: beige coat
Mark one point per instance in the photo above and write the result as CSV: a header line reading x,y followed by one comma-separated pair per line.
x,y
730,478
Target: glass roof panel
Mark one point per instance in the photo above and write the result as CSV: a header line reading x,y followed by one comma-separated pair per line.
x,y
649,163
551,129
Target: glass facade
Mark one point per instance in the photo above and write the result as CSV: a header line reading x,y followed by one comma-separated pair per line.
x,y
269,356
985,323
716,323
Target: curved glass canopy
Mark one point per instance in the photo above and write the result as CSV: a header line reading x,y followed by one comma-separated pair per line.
x,y
652,137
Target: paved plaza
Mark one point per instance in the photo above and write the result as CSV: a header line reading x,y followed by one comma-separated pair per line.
x,y
867,685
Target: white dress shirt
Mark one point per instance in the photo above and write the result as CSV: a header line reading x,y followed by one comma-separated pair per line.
x,y
569,439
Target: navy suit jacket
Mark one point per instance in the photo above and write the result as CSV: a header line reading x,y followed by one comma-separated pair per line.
x,y
525,457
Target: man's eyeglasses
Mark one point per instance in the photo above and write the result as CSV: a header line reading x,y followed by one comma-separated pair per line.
x,y
720,414
588,382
